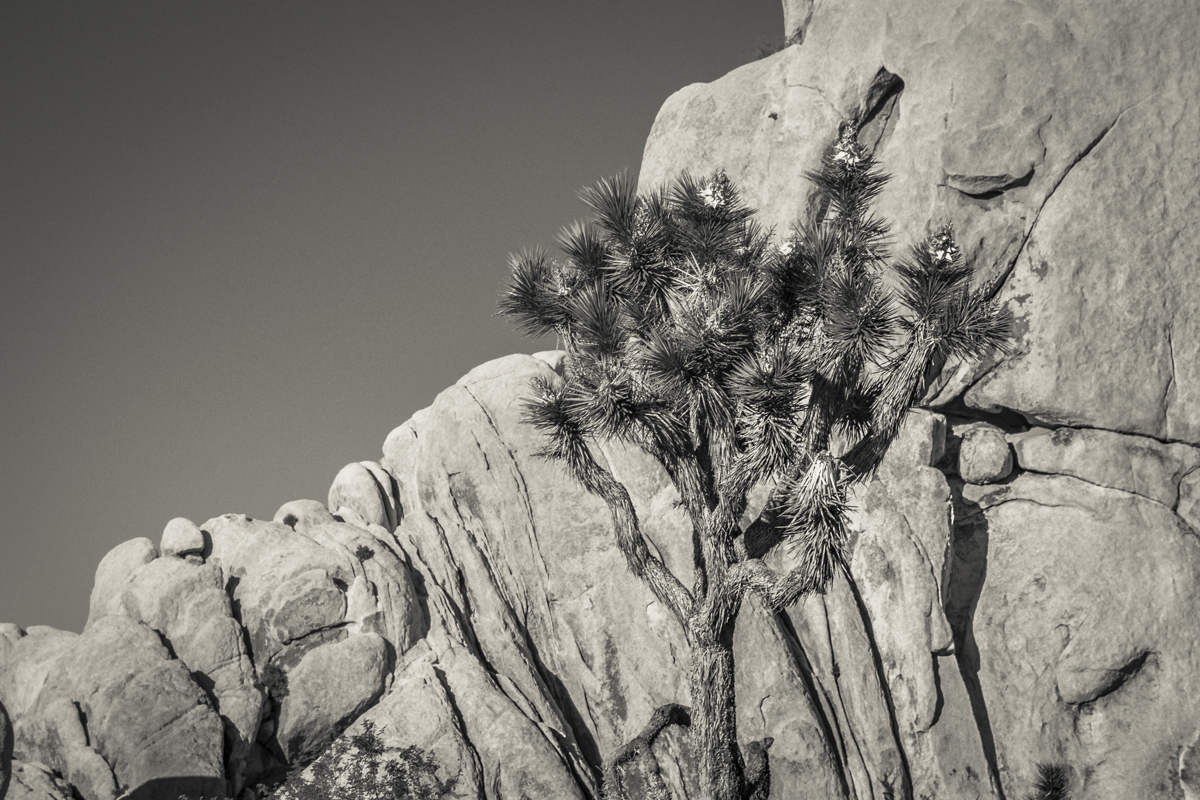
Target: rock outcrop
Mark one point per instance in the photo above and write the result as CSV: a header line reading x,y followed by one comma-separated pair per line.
x,y
6,750
1061,144
1024,580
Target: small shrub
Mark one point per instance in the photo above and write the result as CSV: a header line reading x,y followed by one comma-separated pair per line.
x,y
1053,783
364,553
355,767
275,679
290,520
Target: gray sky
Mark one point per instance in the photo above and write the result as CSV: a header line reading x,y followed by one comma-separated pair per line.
x,y
242,241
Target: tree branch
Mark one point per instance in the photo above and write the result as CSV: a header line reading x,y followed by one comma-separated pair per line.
x,y
639,748
775,590
685,474
644,564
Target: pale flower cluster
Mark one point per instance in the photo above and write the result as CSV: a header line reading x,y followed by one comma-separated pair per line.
x,y
712,195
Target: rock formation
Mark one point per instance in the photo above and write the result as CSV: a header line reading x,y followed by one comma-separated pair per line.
x,y
1061,143
1024,585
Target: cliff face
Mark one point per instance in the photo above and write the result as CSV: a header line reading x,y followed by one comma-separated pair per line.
x,y
1025,570
1060,139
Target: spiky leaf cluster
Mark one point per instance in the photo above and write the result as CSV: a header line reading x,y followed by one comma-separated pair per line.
x,y
694,336
1053,783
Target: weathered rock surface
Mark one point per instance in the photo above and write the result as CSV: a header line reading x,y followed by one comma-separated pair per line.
x,y
6,750
182,538
301,515
28,661
983,454
113,712
187,606
35,782
1134,464
117,568
472,633
368,490
1077,196
330,687
1083,634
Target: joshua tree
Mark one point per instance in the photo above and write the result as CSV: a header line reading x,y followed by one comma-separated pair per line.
x,y
734,361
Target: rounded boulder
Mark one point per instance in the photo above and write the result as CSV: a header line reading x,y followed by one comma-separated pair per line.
x,y
984,456
182,538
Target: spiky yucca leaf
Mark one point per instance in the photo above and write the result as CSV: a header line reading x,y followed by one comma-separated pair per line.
x,y
740,306
860,322
714,198
768,379
933,276
548,412
694,338
586,249
530,297
770,438
849,179
665,364
596,320
973,326
614,201
857,414
1053,783
815,514
661,433
641,279
604,400
750,251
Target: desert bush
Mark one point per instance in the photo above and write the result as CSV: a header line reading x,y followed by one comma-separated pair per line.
x,y
361,767
275,679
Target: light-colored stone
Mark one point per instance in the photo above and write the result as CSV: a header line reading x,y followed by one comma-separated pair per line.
x,y
984,455
182,538
388,494
1135,464
529,558
419,712
300,515
257,558
1083,633
306,603
331,686
9,634
556,359
187,605
1189,499
36,782
797,14
116,568
29,662
57,734
358,488
139,711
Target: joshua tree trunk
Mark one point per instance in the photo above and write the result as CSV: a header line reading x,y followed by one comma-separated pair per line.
x,y
724,774
714,720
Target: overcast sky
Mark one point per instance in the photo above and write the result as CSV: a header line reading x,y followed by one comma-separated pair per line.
x,y
242,241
